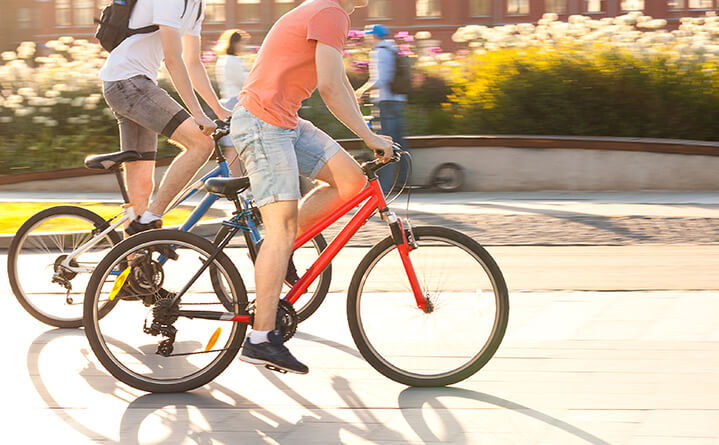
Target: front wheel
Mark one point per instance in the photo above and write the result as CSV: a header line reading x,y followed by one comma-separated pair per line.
x,y
146,341
447,344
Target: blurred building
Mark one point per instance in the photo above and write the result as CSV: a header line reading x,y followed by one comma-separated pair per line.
x,y
42,20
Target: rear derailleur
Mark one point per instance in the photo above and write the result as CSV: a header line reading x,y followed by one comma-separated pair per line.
x,y
164,315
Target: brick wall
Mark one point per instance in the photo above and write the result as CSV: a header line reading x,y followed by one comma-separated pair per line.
x,y
402,15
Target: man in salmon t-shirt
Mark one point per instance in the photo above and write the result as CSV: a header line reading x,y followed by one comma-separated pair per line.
x,y
301,53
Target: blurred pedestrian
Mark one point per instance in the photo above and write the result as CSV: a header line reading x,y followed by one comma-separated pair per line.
x,y
382,85
230,74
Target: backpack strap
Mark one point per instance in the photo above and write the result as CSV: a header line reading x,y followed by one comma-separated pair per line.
x,y
143,30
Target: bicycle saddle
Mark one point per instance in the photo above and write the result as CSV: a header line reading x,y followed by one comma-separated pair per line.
x,y
227,187
110,160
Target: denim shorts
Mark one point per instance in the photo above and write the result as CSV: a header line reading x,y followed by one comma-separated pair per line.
x,y
143,110
275,157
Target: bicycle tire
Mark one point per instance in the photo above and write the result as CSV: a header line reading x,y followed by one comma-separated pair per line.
x,y
237,335
17,243
323,284
402,376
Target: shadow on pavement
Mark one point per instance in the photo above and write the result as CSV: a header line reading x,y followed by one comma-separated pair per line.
x,y
416,398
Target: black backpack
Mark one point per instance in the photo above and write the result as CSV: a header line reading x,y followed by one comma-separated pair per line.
x,y
402,82
113,27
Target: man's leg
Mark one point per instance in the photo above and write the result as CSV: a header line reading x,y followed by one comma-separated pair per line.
x,y
140,182
388,121
343,180
280,223
320,157
197,148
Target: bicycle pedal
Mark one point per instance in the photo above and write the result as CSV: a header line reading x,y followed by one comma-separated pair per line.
x,y
275,368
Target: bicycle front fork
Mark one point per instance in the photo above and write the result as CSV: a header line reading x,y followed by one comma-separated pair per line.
x,y
403,238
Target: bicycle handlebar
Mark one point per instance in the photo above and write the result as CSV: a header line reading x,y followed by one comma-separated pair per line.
x,y
222,130
376,164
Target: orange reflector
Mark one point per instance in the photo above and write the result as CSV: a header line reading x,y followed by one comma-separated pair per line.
x,y
119,282
213,339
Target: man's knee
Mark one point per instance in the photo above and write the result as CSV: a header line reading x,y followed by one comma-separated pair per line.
x,y
350,185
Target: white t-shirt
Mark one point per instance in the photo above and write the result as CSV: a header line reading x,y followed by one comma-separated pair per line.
x,y
142,54
230,73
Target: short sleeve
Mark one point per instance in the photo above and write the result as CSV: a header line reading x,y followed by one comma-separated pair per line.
x,y
330,26
167,12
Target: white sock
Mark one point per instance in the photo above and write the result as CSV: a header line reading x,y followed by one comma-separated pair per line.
x,y
149,217
257,337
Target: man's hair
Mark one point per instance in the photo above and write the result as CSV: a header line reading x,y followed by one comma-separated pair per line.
x,y
226,44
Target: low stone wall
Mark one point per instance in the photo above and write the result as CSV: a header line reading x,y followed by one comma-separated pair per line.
x,y
500,163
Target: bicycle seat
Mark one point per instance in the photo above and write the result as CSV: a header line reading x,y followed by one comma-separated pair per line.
x,y
227,187
110,160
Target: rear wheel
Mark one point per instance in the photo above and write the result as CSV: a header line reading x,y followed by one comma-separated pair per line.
x,y
146,341
35,256
454,339
303,258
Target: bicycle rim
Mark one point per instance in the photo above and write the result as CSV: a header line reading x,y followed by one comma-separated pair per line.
x,y
132,354
457,337
36,255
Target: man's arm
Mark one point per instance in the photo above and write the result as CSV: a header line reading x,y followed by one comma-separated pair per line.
x,y
198,75
172,48
337,93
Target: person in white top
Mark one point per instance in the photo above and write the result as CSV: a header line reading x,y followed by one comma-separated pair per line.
x,y
230,73
144,110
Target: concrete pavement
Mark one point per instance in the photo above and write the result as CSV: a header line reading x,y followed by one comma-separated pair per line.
x,y
633,364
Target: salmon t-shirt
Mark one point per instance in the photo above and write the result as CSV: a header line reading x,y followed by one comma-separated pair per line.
x,y
284,73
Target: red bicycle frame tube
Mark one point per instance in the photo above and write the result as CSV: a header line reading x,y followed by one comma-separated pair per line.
x,y
374,200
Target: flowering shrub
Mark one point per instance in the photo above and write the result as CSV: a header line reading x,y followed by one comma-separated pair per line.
x,y
588,77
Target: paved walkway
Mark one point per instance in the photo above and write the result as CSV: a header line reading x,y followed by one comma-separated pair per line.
x,y
634,364
551,219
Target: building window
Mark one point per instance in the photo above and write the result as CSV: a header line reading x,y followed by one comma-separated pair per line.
x,y
632,5
248,10
379,9
700,4
480,8
62,13
556,6
215,11
84,12
282,7
429,8
595,5
24,18
517,7
675,4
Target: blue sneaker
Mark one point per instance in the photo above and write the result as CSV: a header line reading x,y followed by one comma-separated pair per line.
x,y
272,354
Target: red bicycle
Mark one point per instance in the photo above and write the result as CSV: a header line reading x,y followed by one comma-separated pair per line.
x,y
427,306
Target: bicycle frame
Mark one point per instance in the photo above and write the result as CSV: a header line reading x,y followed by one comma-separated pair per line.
x,y
222,170
374,200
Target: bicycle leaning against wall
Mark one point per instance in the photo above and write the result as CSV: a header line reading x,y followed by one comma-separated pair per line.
x,y
53,253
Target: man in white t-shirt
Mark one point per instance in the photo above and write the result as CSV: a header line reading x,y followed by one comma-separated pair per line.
x,y
144,110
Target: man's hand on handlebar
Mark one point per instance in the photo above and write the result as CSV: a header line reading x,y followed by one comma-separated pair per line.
x,y
223,114
207,126
381,146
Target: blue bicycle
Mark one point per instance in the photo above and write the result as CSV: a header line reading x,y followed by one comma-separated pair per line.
x,y
55,251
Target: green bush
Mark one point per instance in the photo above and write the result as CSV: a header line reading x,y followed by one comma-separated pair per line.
x,y
607,93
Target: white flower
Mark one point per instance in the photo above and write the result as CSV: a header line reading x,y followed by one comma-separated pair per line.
x,y
51,123
8,56
6,119
423,35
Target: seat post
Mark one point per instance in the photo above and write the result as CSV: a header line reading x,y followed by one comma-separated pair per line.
x,y
121,184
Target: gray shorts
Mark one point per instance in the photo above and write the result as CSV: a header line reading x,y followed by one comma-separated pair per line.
x,y
143,110
275,157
